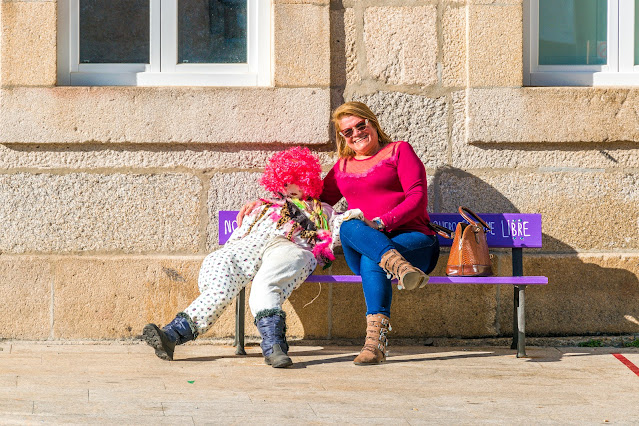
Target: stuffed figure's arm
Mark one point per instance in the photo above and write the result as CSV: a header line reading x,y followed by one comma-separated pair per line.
x,y
336,220
328,238
240,231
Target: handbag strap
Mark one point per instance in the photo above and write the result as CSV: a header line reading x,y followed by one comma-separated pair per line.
x,y
467,213
441,230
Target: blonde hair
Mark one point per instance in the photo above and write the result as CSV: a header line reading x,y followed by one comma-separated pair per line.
x,y
360,110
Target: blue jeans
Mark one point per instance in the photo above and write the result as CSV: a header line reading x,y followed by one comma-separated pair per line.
x,y
363,249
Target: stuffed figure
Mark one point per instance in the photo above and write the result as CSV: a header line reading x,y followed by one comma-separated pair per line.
x,y
277,247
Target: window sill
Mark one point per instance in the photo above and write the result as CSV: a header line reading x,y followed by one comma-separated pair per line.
x,y
152,79
164,115
552,115
586,79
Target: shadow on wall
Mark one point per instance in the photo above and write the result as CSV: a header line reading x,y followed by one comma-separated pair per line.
x,y
583,296
588,294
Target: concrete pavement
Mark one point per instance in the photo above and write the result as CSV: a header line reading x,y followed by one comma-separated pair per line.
x,y
124,383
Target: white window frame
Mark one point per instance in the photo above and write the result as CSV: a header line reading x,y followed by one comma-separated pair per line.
x,y
619,70
163,69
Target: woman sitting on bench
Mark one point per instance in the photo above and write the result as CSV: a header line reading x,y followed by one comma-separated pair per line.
x,y
387,182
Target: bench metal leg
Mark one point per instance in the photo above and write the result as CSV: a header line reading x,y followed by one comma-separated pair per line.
x,y
521,321
239,323
519,307
515,322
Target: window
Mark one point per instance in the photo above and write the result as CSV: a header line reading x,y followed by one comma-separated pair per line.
x,y
581,42
164,42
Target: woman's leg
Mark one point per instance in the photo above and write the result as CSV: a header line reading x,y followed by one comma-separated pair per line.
x,y
360,239
419,249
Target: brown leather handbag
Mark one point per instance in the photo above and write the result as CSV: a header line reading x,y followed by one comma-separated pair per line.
x,y
469,255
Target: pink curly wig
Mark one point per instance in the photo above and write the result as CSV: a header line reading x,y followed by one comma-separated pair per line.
x,y
297,166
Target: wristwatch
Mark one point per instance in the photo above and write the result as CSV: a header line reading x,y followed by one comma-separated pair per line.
x,y
380,225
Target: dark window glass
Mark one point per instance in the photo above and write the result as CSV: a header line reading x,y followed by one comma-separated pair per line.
x,y
114,31
573,32
212,31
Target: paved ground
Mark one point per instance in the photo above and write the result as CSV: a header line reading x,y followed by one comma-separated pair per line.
x,y
120,383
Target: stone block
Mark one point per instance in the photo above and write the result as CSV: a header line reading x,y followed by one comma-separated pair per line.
x,y
165,115
347,315
553,114
344,54
84,212
495,45
579,208
28,43
440,310
25,290
348,312
454,47
302,45
445,311
190,156
307,311
504,156
114,297
306,315
586,294
401,44
230,191
173,288
419,120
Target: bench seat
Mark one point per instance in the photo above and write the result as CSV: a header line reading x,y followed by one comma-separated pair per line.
x,y
527,280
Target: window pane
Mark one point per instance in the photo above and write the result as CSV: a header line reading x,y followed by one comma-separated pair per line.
x,y
573,32
212,31
114,31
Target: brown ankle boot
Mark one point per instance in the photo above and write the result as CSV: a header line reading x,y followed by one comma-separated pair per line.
x,y
374,350
409,277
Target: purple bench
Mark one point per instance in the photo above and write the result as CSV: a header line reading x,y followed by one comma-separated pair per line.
x,y
509,230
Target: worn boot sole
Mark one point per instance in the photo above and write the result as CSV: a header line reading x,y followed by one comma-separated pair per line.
x,y
413,280
369,357
369,363
155,338
278,359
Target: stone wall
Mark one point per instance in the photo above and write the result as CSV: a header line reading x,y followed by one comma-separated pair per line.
x,y
108,195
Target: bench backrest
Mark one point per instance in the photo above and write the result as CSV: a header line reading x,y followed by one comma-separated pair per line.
x,y
509,230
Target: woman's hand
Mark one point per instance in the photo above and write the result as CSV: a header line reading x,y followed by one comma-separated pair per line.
x,y
369,223
246,209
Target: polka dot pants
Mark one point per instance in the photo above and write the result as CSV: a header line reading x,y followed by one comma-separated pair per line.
x,y
276,269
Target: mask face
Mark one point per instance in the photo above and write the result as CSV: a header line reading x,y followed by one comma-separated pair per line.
x,y
293,191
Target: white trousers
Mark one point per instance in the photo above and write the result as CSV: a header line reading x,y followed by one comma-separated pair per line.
x,y
276,269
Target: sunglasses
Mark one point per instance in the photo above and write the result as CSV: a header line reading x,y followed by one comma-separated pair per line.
x,y
347,133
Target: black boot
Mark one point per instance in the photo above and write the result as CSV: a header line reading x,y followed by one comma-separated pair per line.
x,y
177,332
271,324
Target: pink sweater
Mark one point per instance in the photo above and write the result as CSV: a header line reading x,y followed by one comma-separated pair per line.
x,y
390,185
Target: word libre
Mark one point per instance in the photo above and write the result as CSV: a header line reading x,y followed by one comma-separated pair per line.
x,y
507,229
